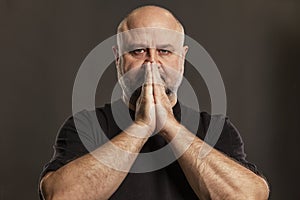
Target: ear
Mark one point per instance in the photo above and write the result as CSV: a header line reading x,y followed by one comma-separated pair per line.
x,y
183,53
116,54
185,50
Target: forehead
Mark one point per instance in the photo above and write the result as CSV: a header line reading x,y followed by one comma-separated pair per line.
x,y
150,38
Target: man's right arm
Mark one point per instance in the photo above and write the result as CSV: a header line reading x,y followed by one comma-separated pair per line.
x,y
90,178
87,177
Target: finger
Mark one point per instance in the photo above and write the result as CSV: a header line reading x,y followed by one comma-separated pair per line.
x,y
156,75
158,86
147,88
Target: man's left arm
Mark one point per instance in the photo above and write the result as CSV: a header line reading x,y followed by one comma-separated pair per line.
x,y
213,176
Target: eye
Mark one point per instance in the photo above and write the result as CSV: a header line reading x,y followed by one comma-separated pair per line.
x,y
138,51
164,51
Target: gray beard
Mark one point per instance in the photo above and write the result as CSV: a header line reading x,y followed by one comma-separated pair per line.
x,y
132,86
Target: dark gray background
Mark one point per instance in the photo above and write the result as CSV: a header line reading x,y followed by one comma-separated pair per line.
x,y
254,44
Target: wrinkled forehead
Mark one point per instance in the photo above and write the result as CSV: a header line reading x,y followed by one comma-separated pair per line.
x,y
150,38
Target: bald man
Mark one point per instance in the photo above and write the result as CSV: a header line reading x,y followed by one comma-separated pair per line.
x,y
150,58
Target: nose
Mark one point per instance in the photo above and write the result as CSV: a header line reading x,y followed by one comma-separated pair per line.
x,y
151,55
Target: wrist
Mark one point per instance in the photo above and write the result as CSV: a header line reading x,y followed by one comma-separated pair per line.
x,y
170,129
142,127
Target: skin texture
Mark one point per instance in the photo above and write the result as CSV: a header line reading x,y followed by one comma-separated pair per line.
x,y
212,177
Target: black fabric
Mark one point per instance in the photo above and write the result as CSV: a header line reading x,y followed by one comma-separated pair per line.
x,y
166,183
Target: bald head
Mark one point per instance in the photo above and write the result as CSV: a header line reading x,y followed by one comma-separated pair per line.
x,y
150,16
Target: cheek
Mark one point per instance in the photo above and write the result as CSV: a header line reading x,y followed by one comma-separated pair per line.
x,y
174,69
127,64
173,75
131,70
175,62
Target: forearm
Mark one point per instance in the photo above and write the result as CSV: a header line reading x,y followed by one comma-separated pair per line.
x,y
95,176
214,176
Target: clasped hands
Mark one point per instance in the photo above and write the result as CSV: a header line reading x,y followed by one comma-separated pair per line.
x,y
153,107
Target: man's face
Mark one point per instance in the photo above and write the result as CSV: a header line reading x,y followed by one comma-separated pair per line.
x,y
161,47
